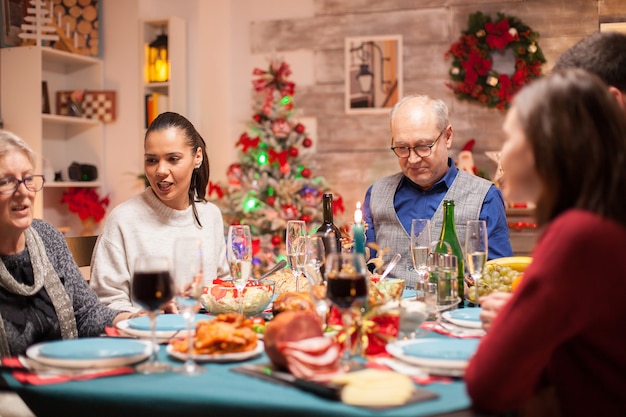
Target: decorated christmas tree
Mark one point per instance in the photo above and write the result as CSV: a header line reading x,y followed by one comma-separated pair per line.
x,y
273,181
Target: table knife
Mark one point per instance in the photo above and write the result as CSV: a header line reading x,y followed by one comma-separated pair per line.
x,y
266,372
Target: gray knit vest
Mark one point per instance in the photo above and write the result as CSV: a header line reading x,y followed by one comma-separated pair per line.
x,y
468,193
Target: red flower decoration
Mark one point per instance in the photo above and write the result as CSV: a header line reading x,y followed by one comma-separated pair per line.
x,y
85,202
472,65
498,34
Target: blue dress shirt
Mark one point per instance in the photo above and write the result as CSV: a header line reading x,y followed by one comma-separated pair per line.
x,y
411,202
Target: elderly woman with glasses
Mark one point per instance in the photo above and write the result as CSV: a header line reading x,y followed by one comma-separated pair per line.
x,y
43,295
421,135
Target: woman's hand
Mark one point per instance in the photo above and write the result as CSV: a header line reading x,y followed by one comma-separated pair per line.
x,y
491,305
127,315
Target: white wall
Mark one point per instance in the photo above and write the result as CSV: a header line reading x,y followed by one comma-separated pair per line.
x,y
219,74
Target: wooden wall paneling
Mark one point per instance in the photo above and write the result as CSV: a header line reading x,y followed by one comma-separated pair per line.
x,y
362,132
614,10
329,67
338,7
328,32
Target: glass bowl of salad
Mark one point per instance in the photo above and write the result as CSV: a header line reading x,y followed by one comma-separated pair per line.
x,y
220,297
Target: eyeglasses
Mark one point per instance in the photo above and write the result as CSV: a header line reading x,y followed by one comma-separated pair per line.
x,y
422,151
9,185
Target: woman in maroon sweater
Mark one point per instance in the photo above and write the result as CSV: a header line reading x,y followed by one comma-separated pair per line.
x,y
563,328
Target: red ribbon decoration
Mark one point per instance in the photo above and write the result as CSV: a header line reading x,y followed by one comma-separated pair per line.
x,y
246,142
215,188
273,79
280,157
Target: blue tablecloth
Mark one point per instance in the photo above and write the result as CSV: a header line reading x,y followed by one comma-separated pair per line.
x,y
217,392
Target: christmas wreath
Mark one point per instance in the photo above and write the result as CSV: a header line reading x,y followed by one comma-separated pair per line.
x,y
472,63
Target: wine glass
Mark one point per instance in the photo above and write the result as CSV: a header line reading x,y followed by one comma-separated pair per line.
x,y
188,289
420,248
151,288
314,257
476,250
239,253
346,288
295,249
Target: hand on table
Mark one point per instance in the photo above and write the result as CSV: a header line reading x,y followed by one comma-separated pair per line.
x,y
491,305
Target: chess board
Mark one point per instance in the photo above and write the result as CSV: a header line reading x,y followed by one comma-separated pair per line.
x,y
95,105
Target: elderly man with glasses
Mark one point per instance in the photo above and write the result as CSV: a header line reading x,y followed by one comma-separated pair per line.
x,y
421,135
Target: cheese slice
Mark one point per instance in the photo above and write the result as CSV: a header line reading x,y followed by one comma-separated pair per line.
x,y
375,388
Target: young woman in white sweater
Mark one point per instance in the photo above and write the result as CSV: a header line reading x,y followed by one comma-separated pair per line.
x,y
177,168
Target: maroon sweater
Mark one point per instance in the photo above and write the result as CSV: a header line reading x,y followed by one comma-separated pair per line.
x,y
566,322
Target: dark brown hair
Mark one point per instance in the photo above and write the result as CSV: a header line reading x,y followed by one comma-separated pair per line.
x,y
578,135
200,175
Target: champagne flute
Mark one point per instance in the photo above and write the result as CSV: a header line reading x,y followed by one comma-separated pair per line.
x,y
476,250
420,249
188,288
314,257
239,253
295,249
346,288
151,288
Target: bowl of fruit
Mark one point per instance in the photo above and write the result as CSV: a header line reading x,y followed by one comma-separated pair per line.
x,y
501,274
221,296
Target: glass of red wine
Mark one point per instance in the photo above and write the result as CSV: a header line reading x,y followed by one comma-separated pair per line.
x,y
151,288
346,289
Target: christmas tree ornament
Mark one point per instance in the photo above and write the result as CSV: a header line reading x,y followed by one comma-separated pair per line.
x,y
293,152
307,143
306,173
299,128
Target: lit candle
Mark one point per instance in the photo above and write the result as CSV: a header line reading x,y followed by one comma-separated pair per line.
x,y
358,235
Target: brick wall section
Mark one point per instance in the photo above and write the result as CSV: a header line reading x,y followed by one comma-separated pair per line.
x,y
353,150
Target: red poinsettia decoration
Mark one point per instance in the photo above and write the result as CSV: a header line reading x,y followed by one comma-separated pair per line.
x,y
86,202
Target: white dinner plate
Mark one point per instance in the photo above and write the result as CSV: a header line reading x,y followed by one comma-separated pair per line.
x,y
465,317
225,357
443,354
167,326
95,352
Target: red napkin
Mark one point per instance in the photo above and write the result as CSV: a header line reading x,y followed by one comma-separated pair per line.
x,y
26,376
112,331
467,333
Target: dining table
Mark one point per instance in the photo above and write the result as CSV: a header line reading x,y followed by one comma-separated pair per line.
x,y
216,392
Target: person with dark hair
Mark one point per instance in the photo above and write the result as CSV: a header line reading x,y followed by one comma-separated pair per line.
x,y
421,135
565,150
602,54
43,295
174,205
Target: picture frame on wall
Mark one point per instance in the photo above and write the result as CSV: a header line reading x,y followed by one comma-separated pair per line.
x,y
373,73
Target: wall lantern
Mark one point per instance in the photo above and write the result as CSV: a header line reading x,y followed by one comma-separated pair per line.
x,y
158,60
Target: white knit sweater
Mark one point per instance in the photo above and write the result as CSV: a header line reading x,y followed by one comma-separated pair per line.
x,y
144,226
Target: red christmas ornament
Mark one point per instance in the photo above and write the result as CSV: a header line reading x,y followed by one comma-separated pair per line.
x,y
257,118
281,128
276,240
305,218
306,173
293,152
307,142
299,128
270,200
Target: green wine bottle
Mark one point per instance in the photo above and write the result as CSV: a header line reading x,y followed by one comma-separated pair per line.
x,y
448,234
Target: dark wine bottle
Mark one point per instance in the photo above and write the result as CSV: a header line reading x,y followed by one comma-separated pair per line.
x,y
328,228
448,235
